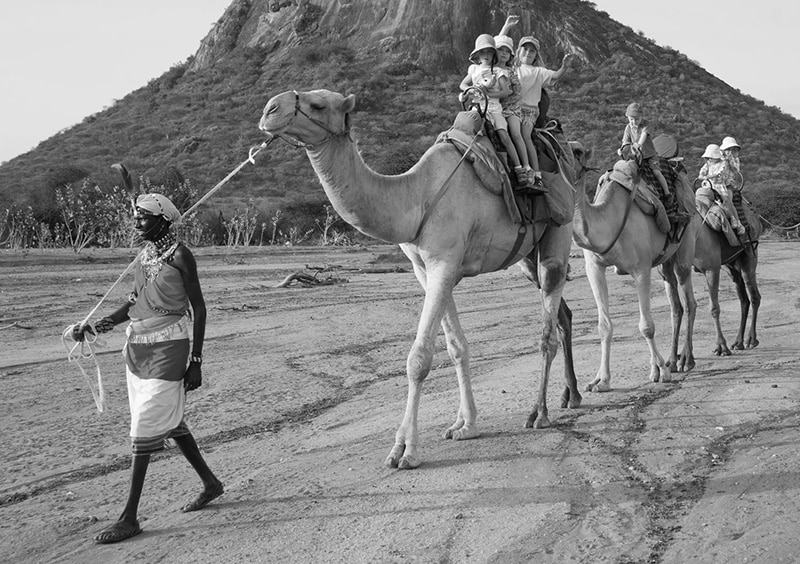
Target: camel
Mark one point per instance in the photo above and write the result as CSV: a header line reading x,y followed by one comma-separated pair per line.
x,y
612,232
712,252
449,226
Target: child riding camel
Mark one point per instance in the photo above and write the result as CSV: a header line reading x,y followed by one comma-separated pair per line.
x,y
533,77
486,74
719,175
637,143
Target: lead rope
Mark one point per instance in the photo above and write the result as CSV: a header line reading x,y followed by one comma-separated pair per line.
x,y
85,350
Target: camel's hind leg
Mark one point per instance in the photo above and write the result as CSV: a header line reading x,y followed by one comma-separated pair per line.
x,y
744,279
676,309
553,251
677,277
571,397
750,261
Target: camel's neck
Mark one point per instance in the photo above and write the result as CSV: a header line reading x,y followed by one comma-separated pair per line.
x,y
595,225
383,207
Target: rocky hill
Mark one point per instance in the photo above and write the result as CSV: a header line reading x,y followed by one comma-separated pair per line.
x,y
403,60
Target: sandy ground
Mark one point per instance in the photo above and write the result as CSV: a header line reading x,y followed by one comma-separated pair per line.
x,y
304,388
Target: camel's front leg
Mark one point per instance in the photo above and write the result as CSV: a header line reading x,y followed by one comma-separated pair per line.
x,y
596,273
464,426
712,282
658,368
437,291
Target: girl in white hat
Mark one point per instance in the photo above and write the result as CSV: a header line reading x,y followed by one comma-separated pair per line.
x,y
730,152
717,173
486,73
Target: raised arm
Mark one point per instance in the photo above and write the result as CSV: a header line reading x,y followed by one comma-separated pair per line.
x,y
566,64
511,21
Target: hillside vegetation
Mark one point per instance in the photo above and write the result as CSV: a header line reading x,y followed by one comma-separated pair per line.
x,y
197,121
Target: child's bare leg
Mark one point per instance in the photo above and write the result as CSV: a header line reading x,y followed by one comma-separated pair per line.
x,y
527,131
510,149
516,136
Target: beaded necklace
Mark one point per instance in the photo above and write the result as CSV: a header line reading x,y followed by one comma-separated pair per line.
x,y
156,253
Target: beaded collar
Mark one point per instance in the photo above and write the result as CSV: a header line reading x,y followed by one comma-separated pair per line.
x,y
156,253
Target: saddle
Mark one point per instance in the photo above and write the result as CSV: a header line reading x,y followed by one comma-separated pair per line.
x,y
710,209
490,161
626,174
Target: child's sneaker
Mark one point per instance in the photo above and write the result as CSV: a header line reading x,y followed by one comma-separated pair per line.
x,y
523,178
538,186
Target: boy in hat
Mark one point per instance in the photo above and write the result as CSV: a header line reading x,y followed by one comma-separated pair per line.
x,y
638,144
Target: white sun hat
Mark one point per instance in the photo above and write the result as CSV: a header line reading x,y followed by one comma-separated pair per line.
x,y
712,152
729,143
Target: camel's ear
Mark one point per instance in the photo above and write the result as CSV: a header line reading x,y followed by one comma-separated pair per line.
x,y
348,104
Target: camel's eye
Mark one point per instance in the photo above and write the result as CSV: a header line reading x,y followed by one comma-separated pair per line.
x,y
316,107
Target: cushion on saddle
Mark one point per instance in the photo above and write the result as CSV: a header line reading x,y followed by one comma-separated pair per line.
x,y
625,174
671,177
484,161
557,166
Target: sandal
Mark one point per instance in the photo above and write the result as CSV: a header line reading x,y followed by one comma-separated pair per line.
x,y
119,531
206,496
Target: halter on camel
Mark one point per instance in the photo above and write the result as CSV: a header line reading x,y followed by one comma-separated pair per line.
x,y
300,144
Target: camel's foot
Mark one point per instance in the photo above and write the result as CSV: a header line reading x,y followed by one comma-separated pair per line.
x,y
751,343
684,363
408,463
571,400
722,350
660,374
598,385
462,432
398,459
537,419
738,345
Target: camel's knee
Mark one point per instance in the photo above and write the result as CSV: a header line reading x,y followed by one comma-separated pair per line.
x,y
555,273
419,362
604,328
647,328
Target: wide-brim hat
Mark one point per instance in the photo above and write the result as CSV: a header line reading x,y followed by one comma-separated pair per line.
x,y
530,39
712,152
483,41
729,143
504,41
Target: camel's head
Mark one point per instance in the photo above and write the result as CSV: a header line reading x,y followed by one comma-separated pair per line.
x,y
309,117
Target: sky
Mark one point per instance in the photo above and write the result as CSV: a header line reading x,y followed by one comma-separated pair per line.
x,y
752,46
63,60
